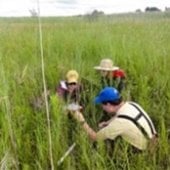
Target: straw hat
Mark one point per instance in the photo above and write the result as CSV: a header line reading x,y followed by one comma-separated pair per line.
x,y
106,65
72,76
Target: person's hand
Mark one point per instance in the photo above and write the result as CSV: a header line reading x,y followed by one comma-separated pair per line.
x,y
73,107
78,116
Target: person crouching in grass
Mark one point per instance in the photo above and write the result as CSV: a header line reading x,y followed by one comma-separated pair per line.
x,y
128,121
69,92
111,75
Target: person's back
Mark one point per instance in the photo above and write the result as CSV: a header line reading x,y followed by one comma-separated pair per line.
x,y
133,124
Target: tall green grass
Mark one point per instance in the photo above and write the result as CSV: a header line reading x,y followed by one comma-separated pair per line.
x,y
137,43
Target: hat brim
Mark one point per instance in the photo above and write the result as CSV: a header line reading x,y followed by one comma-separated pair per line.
x,y
106,69
71,81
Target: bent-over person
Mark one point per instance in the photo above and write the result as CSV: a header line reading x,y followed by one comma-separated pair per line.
x,y
128,121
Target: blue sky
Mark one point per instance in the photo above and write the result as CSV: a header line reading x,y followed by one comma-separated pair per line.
x,y
74,7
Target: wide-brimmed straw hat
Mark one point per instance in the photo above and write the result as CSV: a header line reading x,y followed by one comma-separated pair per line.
x,y
72,76
106,65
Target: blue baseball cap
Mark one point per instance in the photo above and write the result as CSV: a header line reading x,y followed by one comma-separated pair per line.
x,y
107,94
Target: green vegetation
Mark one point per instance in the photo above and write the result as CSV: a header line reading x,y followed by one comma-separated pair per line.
x,y
137,43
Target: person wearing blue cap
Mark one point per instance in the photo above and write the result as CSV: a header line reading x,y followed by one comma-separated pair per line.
x,y
128,120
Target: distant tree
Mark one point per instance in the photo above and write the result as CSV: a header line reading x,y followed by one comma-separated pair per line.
x,y
33,13
97,13
94,15
138,10
152,9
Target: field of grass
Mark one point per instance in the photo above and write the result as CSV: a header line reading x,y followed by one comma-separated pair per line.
x,y
137,43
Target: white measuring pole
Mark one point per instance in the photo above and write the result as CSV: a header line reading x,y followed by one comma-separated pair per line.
x,y
45,88
66,153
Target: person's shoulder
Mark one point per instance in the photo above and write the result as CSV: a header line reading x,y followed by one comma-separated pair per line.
x,y
119,73
63,84
125,109
61,87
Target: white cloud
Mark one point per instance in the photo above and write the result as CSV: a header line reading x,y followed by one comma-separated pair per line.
x,y
72,7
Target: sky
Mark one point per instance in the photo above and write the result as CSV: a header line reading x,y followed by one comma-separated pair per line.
x,y
14,8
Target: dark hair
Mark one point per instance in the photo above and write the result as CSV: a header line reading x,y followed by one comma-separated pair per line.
x,y
115,102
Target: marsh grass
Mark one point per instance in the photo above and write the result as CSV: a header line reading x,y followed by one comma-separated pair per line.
x,y
137,43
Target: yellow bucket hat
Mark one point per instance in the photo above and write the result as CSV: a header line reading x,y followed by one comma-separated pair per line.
x,y
72,76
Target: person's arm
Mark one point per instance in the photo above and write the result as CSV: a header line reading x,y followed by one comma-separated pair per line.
x,y
91,133
80,118
60,91
111,131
